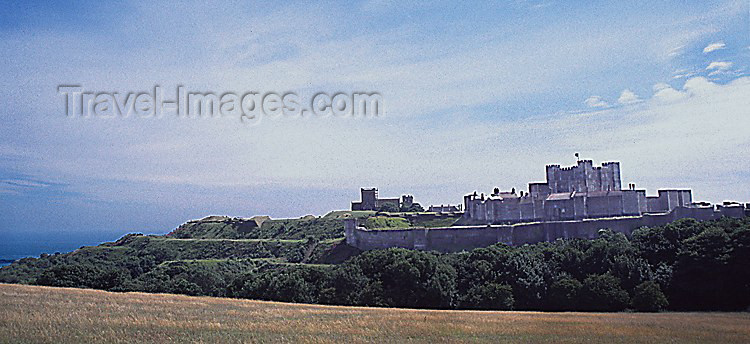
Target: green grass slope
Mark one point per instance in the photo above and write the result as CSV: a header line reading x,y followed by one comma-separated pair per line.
x,y
240,228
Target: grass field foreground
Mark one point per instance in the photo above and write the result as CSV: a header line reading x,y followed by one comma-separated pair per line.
x,y
46,314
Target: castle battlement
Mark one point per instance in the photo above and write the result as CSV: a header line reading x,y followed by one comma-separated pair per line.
x,y
572,193
574,202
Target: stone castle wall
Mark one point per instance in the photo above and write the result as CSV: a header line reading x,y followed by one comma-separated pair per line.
x,y
459,238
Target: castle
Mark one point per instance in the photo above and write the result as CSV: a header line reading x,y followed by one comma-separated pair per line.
x,y
574,202
583,191
371,201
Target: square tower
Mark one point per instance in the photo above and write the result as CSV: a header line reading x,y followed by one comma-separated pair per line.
x,y
369,198
584,177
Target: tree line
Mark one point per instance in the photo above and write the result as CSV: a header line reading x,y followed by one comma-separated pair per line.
x,y
685,265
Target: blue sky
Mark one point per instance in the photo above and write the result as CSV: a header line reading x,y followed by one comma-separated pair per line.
x,y
477,96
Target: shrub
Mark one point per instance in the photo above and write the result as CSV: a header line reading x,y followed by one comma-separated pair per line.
x,y
647,297
489,296
603,293
564,294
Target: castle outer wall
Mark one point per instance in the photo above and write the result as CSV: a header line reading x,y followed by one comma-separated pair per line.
x,y
460,238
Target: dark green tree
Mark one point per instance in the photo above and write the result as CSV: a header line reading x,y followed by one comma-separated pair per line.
x,y
389,208
700,277
409,278
413,208
490,296
564,295
603,293
647,297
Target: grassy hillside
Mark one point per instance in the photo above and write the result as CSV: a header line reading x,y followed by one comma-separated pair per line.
x,y
436,222
327,227
384,222
46,314
216,227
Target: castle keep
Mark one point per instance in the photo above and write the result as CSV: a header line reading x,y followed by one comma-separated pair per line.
x,y
583,191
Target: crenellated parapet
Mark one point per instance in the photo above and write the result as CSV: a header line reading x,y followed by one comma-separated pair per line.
x,y
468,237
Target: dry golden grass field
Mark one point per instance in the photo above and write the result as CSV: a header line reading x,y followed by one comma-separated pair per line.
x,y
61,315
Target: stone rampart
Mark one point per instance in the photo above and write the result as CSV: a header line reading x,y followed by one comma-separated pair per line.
x,y
459,238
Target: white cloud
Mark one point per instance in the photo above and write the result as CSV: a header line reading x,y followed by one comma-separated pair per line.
x,y
660,86
682,76
628,97
720,68
668,95
24,183
595,101
701,86
20,186
713,47
683,73
719,65
676,51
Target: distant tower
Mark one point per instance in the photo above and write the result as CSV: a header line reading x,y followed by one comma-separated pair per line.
x,y
369,198
407,201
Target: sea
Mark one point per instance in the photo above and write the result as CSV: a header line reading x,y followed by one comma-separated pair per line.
x,y
33,245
